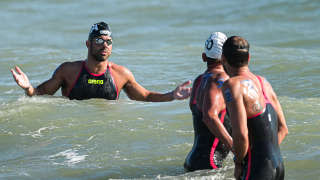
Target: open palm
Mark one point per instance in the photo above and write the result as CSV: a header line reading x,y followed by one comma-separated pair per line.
x,y
182,91
20,78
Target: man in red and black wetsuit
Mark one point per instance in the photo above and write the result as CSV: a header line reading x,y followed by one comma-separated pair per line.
x,y
258,122
97,77
212,127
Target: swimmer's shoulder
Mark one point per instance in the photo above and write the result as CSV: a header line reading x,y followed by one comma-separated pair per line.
x,y
219,78
120,70
196,81
69,65
232,83
69,68
198,78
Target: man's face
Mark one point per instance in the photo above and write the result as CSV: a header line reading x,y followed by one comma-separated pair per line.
x,y
100,47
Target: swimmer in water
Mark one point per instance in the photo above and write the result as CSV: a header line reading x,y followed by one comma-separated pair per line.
x,y
96,76
258,122
211,123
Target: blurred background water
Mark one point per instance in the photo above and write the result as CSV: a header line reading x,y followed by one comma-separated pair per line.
x,y
49,137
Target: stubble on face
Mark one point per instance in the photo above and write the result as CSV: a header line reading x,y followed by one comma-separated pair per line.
x,y
96,51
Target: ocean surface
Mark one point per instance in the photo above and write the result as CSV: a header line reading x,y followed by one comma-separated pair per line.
x,y
51,137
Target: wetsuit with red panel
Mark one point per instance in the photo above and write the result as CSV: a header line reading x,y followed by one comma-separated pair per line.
x,y
263,160
89,85
207,151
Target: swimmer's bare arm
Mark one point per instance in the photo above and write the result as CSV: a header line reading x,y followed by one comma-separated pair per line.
x,y
282,126
136,92
48,87
233,94
213,103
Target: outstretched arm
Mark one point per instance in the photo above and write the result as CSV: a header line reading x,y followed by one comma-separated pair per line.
x,y
48,87
136,92
213,103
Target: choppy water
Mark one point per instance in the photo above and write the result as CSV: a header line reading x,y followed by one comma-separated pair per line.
x,y
161,43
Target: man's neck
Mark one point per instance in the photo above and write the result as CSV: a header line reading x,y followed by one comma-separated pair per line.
x,y
215,68
96,67
240,71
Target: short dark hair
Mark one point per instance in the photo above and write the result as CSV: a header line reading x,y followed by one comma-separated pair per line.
x,y
236,51
213,60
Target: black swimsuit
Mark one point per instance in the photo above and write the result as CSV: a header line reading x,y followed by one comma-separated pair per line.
x,y
89,85
207,151
263,160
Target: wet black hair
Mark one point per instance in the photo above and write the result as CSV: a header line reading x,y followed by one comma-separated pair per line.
x,y
236,51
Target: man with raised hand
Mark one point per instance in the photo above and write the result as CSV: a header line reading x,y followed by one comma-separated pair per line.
x,y
96,76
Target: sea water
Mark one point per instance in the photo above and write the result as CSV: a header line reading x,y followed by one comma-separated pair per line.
x,y
161,42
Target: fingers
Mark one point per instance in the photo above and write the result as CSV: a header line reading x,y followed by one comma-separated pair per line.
x,y
186,83
189,91
182,93
12,71
14,74
19,70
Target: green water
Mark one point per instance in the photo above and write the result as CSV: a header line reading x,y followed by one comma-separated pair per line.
x,y
161,43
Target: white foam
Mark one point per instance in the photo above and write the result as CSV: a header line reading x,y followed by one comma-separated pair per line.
x,y
38,133
90,138
72,157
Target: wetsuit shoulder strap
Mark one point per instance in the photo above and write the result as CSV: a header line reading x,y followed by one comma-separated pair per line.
x,y
113,80
76,80
263,91
196,88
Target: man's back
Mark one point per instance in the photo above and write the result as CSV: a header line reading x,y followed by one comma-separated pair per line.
x,y
263,159
211,81
208,152
258,123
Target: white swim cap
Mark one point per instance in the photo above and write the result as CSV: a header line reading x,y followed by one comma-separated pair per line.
x,y
213,45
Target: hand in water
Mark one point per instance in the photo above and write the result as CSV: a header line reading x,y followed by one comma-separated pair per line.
x,y
182,92
20,78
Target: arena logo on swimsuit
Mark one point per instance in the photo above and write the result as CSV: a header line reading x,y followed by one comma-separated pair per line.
x,y
95,81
